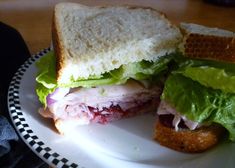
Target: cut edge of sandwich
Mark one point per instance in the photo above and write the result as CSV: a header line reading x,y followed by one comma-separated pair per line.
x,y
65,126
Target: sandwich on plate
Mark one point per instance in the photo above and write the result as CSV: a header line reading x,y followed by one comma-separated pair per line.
x,y
107,63
197,106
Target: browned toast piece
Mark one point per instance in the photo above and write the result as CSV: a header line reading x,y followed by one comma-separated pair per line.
x,y
186,140
208,43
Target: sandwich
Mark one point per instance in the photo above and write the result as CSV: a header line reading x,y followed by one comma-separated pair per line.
x,y
107,63
197,107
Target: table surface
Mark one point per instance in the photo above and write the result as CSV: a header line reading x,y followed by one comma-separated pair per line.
x,y
33,18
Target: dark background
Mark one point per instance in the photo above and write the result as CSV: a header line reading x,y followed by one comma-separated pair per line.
x,y
14,52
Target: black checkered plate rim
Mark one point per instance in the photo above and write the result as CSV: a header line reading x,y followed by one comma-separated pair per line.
x,y
20,123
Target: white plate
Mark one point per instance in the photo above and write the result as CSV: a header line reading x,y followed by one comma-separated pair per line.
x,y
124,143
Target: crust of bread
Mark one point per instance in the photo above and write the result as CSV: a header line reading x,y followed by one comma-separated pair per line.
x,y
209,46
57,45
188,141
62,53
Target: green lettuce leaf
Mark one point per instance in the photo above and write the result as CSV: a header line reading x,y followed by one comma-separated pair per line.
x,y
214,74
46,78
141,70
42,92
211,77
199,103
46,70
183,62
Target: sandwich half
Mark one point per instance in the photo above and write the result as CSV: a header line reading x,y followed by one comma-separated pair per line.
x,y
108,63
197,106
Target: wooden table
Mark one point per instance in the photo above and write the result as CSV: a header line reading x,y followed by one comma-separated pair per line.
x,y
33,18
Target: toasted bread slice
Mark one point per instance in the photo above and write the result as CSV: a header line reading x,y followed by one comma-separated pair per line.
x,y
89,41
207,43
186,140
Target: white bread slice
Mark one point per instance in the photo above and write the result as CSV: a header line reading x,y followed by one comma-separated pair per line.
x,y
90,41
207,43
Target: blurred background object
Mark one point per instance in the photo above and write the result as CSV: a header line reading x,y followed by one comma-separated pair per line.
x,y
228,3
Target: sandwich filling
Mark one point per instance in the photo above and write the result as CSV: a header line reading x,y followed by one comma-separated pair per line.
x,y
101,104
199,93
123,92
170,117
